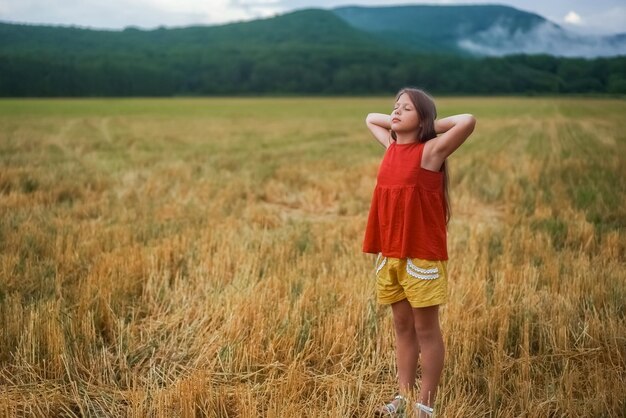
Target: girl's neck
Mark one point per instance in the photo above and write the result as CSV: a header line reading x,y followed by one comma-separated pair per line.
x,y
406,138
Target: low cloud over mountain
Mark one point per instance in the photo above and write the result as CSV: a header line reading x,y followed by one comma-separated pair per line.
x,y
543,38
487,30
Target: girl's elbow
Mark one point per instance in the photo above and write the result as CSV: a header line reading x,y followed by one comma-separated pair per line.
x,y
471,121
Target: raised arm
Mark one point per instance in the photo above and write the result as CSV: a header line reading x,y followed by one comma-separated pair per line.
x,y
379,125
454,131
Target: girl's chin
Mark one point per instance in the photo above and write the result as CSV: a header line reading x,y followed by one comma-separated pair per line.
x,y
402,129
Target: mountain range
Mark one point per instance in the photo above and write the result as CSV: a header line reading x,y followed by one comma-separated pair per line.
x,y
480,30
465,30
346,50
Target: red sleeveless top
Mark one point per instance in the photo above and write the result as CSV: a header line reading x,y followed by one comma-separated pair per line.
x,y
407,214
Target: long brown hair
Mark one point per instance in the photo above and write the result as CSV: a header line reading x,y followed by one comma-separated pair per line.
x,y
427,112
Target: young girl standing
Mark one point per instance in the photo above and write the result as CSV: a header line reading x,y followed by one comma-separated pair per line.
x,y
407,229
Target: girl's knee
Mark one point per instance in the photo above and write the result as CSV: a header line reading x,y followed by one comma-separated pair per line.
x,y
404,325
427,331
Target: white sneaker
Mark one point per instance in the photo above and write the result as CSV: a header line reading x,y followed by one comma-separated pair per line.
x,y
391,409
424,411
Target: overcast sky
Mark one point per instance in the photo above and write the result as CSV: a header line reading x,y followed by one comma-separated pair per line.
x,y
588,16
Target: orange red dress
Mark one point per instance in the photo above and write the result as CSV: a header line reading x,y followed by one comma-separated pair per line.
x,y
407,213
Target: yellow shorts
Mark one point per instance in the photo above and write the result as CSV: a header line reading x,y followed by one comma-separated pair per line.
x,y
422,282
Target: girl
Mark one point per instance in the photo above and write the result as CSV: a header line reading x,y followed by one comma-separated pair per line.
x,y
407,228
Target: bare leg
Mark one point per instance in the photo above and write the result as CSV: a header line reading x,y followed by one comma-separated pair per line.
x,y
433,350
407,347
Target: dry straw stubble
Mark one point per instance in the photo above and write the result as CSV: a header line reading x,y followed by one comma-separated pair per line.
x,y
201,257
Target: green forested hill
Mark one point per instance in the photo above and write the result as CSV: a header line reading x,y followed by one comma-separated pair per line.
x,y
434,22
304,52
311,27
435,28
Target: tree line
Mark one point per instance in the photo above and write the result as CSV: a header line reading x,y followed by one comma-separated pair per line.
x,y
294,69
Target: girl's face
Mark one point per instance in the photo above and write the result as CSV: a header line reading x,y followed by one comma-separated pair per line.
x,y
404,117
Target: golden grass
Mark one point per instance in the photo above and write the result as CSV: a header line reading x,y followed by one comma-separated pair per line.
x,y
202,257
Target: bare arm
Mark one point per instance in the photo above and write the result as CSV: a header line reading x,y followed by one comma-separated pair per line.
x,y
379,125
454,131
